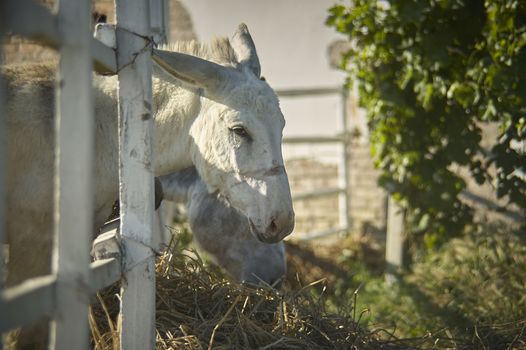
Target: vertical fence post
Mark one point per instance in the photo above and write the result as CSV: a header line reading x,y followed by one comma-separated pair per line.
x,y
343,173
394,240
158,20
137,315
73,179
166,20
3,153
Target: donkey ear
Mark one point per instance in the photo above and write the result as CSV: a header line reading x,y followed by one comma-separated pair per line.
x,y
191,70
245,49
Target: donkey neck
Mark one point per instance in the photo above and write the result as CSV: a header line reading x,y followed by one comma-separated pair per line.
x,y
180,186
176,108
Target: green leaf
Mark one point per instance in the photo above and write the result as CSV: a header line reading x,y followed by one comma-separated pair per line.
x,y
429,73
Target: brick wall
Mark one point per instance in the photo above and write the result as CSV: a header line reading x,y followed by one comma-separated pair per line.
x,y
367,199
317,214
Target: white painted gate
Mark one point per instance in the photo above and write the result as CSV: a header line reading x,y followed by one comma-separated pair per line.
x,y
65,293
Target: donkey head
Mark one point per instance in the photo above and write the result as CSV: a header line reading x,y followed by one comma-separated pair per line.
x,y
237,134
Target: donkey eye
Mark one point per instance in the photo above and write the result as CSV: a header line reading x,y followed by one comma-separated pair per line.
x,y
240,131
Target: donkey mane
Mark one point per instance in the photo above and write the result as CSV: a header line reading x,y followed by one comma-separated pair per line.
x,y
219,50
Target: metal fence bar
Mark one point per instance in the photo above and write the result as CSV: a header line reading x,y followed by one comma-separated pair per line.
x,y
35,21
136,176
74,170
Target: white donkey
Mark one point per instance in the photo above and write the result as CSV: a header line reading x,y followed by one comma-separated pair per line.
x,y
224,232
211,110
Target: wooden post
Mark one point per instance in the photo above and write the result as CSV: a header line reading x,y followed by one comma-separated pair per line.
x,y
343,173
137,314
158,19
166,20
73,179
158,22
394,240
3,153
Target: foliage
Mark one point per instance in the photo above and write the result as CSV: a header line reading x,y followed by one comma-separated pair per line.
x,y
429,73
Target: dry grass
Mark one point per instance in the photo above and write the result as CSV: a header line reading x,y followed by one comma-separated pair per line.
x,y
198,308
478,281
469,294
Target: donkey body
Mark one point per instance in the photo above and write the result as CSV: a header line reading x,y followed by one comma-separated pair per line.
x,y
224,232
211,110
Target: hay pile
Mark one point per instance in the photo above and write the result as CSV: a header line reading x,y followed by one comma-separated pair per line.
x,y
199,308
468,295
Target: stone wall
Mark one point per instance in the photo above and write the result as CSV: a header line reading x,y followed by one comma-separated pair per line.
x,y
317,214
367,201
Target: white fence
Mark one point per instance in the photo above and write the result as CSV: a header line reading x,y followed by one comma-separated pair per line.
x,y
64,295
342,139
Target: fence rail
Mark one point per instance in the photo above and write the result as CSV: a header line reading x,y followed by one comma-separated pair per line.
x,y
64,294
35,297
313,139
325,192
306,92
